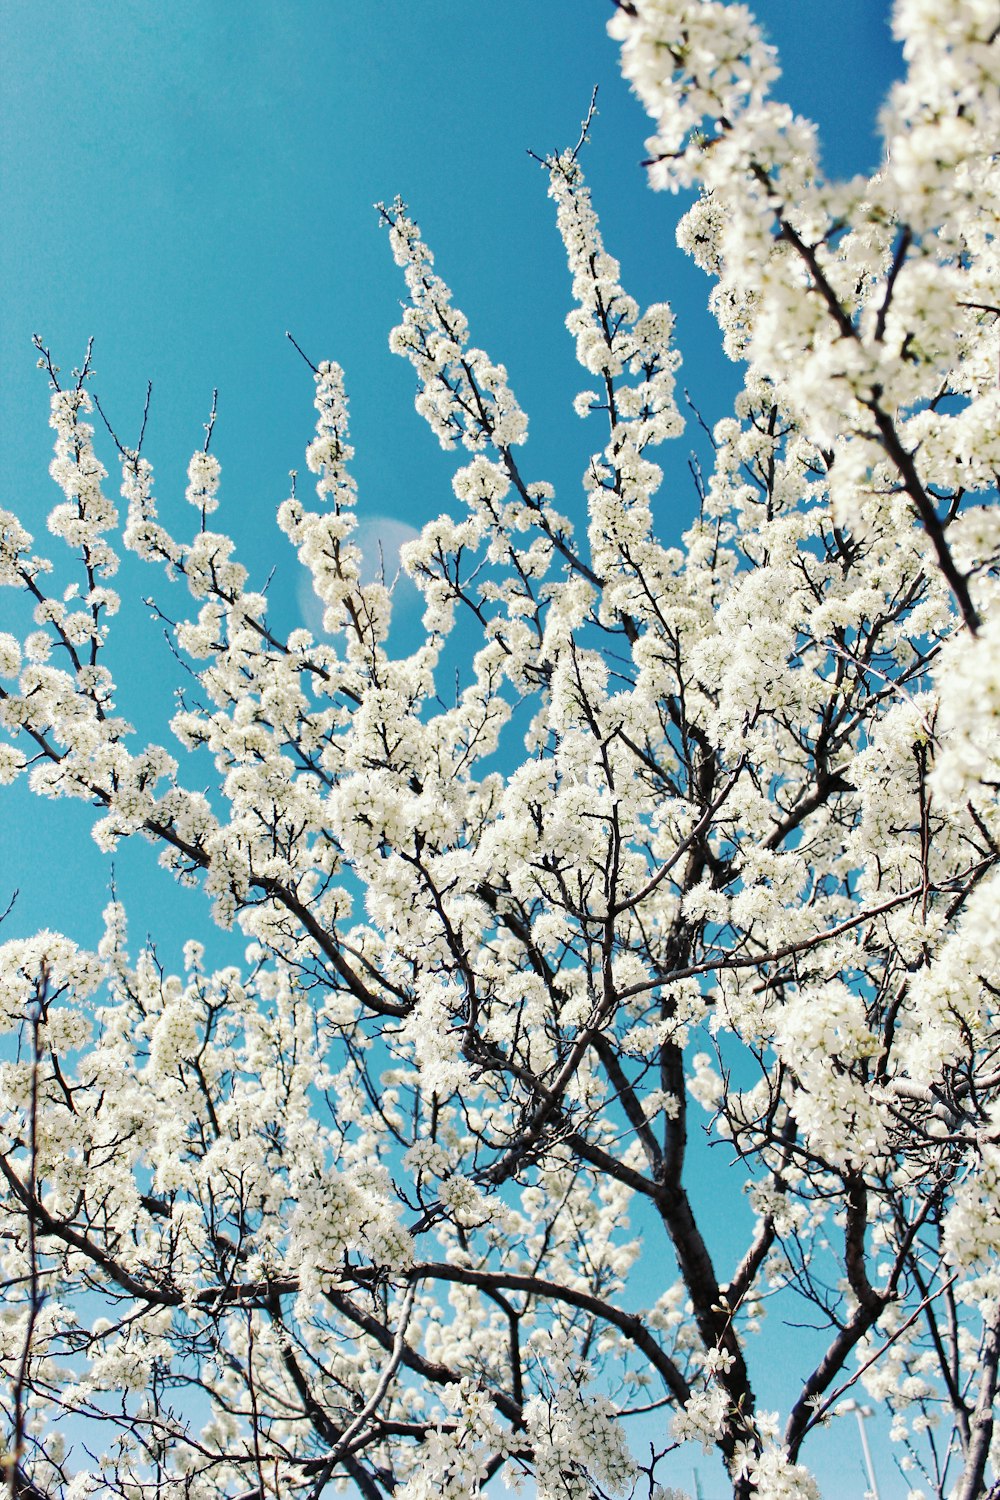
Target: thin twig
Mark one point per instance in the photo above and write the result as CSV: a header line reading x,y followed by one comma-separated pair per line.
x,y
296,345
210,424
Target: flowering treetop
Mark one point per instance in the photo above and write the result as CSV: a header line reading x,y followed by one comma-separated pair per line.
x,y
706,839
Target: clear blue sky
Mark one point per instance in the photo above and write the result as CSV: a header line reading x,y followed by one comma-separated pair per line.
x,y
185,181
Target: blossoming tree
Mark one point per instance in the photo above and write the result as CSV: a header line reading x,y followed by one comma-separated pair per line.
x,y
706,842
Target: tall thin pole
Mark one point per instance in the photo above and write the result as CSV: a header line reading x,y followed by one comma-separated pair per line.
x,y
862,1413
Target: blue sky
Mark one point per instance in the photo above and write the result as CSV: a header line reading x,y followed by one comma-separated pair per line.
x,y
187,181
